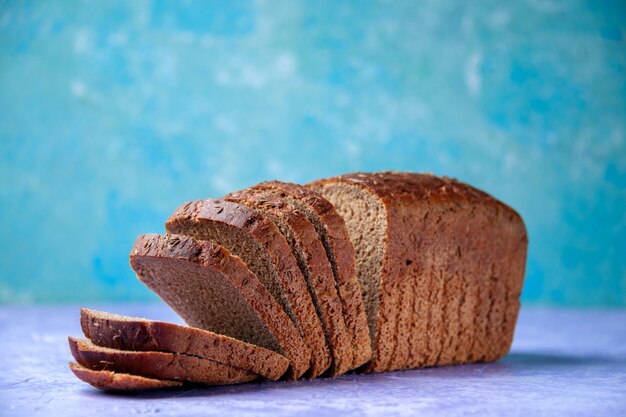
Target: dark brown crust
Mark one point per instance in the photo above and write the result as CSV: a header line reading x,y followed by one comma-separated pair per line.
x,y
209,255
267,234
158,365
323,290
114,381
135,334
407,196
343,266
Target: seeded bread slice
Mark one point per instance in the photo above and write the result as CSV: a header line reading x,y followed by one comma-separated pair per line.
x,y
157,365
313,262
331,230
214,290
258,242
115,381
137,334
441,265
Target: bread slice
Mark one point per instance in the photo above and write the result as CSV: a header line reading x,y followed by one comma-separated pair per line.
x,y
115,381
332,232
213,290
313,262
258,242
130,333
157,365
441,265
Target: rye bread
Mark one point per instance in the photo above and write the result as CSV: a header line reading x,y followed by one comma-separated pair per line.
x,y
115,381
212,289
157,365
441,264
137,334
258,242
313,262
332,232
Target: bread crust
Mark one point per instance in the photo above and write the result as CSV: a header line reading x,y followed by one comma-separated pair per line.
x,y
293,284
209,255
136,334
342,262
115,381
157,365
322,282
491,261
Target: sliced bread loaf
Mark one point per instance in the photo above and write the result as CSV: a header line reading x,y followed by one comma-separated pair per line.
x,y
313,262
441,265
157,365
115,381
213,290
130,333
257,241
332,231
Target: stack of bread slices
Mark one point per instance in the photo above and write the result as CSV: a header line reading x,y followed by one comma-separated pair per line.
x,y
366,272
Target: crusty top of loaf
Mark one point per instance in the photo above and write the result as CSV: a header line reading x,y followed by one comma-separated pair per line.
x,y
219,210
202,252
408,188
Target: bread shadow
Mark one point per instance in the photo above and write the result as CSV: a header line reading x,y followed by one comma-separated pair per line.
x,y
528,359
193,390
514,363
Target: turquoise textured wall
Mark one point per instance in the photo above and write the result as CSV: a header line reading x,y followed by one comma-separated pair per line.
x,y
112,113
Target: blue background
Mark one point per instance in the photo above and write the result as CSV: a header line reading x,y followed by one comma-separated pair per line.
x,y
113,113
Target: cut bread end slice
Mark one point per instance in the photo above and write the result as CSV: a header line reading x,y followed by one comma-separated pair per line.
x,y
115,381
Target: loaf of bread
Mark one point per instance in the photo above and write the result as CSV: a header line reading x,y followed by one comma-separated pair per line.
x,y
441,265
369,272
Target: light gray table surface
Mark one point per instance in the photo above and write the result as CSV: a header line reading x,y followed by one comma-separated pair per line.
x,y
563,362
